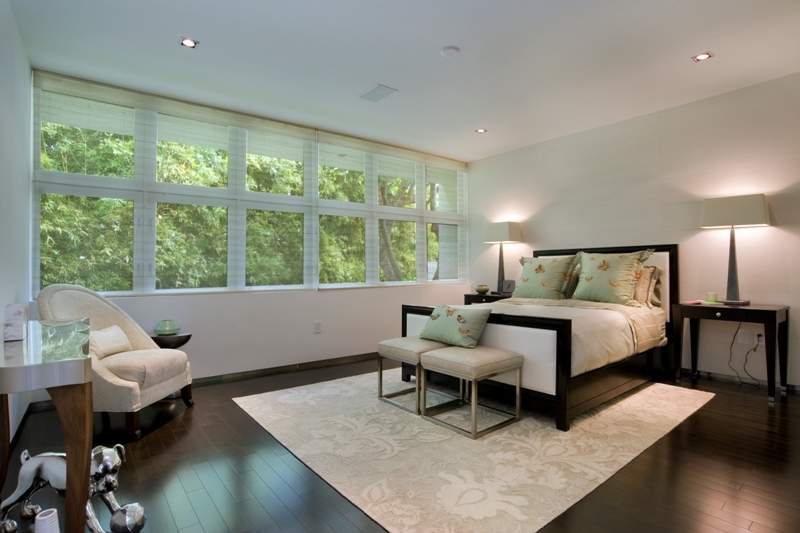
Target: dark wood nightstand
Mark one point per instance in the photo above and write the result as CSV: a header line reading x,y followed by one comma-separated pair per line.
x,y
774,318
474,298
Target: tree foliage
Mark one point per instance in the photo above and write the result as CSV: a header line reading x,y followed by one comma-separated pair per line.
x,y
89,241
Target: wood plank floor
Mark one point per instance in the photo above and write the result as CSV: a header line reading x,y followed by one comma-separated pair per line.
x,y
734,466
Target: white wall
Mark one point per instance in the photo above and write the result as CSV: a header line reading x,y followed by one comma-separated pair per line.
x,y
15,169
642,181
239,331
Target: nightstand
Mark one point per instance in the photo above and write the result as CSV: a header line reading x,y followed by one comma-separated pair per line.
x,y
774,318
474,298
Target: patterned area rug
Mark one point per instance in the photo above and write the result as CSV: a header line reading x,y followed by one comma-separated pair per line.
x,y
413,476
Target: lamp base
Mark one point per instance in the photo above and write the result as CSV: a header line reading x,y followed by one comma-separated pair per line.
x,y
736,303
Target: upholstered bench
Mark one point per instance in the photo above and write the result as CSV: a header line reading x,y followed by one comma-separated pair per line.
x,y
473,365
404,350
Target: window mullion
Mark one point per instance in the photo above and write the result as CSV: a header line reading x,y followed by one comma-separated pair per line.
x,y
311,218
144,231
237,176
371,242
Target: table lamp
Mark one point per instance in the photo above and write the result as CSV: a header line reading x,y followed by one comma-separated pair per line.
x,y
502,232
735,212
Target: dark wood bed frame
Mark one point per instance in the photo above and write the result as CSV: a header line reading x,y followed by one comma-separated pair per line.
x,y
575,395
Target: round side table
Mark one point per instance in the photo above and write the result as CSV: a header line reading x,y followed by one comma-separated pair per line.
x,y
171,341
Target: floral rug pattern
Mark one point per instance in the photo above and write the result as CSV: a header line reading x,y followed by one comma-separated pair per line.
x,y
413,476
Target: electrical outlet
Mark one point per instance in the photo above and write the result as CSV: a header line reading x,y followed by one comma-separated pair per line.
x,y
317,327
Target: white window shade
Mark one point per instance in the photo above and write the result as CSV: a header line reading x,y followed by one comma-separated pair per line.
x,y
192,132
342,157
275,145
87,114
442,190
396,168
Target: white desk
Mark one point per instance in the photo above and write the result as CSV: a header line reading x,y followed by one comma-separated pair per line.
x,y
58,362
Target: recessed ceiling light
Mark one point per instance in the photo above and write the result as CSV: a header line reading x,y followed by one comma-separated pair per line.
x,y
188,42
702,57
481,130
450,51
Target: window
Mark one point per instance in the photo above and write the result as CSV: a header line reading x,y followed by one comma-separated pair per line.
x,y
442,251
341,174
86,241
191,246
441,190
274,250
78,136
396,183
342,257
398,250
144,194
192,153
275,164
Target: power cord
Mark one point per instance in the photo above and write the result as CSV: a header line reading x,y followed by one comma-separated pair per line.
x,y
730,354
747,355
746,358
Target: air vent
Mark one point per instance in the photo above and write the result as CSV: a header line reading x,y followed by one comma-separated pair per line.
x,y
378,93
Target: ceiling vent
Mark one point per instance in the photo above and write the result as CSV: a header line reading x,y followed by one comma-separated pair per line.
x,y
378,93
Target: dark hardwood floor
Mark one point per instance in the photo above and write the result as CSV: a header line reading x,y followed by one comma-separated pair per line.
x,y
734,466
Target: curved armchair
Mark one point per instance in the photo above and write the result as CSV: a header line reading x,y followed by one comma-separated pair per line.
x,y
124,382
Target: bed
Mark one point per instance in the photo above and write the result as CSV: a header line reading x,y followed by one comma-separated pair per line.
x,y
580,354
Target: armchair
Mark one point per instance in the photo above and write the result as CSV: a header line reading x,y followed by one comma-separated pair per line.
x,y
124,382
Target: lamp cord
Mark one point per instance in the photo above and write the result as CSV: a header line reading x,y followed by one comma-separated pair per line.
x,y
730,354
746,358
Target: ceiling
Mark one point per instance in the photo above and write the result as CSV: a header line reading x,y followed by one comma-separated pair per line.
x,y
529,70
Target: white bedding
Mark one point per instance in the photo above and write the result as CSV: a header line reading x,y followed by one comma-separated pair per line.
x,y
602,333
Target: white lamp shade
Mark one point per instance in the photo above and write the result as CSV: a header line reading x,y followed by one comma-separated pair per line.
x,y
504,232
750,210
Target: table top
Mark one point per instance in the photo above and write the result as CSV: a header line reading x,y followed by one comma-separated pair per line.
x,y
51,355
751,307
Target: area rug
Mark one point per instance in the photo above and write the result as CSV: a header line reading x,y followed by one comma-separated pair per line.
x,y
413,476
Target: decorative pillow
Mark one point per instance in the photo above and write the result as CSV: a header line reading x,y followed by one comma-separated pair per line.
x,y
544,277
609,277
647,283
108,341
459,326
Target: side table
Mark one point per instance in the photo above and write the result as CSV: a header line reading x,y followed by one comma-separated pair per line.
x,y
31,365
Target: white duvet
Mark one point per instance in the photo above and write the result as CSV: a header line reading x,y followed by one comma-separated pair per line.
x,y
602,333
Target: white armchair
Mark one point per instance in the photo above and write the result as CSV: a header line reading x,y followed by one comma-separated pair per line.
x,y
124,382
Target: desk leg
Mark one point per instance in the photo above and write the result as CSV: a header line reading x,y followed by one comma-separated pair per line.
x,y
74,406
770,335
694,341
783,352
5,438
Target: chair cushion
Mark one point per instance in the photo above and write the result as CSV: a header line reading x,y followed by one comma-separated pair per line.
x,y
108,341
471,363
147,367
407,349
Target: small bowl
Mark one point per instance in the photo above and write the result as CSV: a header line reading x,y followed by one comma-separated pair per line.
x,y
482,288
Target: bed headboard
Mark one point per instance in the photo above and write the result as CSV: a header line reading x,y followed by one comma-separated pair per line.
x,y
665,258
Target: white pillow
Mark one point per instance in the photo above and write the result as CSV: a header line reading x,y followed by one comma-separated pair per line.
x,y
108,341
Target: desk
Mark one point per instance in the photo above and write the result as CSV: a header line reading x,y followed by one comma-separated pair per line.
x,y
774,318
56,360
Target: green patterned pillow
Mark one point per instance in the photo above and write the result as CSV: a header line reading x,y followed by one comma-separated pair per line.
x,y
459,326
609,277
544,277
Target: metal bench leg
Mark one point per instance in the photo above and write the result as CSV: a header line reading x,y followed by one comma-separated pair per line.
x,y
380,377
474,408
417,377
518,409
423,390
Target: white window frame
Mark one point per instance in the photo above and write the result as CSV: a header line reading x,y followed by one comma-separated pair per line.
x,y
146,192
